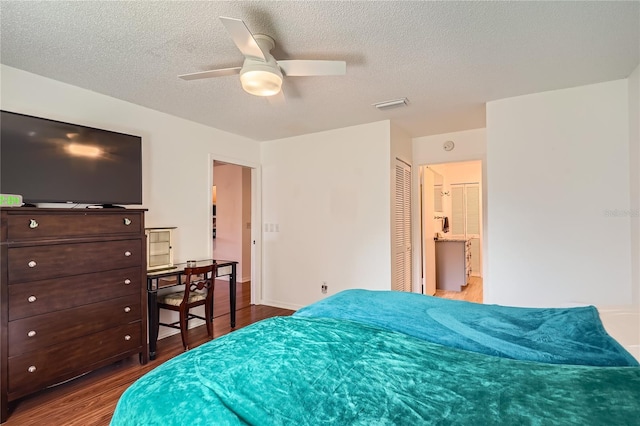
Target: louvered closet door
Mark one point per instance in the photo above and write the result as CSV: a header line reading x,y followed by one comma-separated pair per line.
x,y
465,210
402,231
472,210
465,219
457,210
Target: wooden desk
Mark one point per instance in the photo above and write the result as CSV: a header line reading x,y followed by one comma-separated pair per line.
x,y
157,280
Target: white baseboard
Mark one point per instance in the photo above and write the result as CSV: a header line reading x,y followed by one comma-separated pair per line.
x,y
280,305
623,324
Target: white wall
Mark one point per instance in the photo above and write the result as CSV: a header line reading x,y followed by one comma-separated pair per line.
x,y
634,179
557,171
176,175
401,145
623,321
328,194
463,172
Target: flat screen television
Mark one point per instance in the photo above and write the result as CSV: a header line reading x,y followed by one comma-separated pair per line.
x,y
49,161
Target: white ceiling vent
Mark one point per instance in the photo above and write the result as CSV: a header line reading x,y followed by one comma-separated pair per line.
x,y
395,103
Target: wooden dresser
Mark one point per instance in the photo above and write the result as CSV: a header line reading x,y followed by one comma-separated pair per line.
x,y
72,295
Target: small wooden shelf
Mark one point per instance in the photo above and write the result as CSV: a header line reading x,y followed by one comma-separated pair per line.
x,y
159,248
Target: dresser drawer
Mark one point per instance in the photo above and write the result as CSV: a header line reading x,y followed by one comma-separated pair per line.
x,y
38,332
59,260
38,369
40,297
50,225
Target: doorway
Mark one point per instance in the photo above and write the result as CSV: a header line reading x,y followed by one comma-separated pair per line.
x,y
231,201
451,219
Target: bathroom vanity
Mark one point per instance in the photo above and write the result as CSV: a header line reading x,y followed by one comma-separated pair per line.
x,y
453,264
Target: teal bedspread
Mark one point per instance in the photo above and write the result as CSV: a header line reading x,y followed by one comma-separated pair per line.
x,y
388,358
314,371
323,371
556,335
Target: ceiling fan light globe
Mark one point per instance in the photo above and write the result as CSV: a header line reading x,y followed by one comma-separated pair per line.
x,y
261,83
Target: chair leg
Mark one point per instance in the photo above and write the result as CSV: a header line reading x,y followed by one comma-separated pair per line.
x,y
184,328
208,318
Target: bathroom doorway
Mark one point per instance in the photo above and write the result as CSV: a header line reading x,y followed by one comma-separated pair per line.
x,y
451,219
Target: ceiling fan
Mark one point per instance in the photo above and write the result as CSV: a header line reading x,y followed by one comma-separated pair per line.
x,y
261,74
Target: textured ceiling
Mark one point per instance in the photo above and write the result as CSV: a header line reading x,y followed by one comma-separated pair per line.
x,y
448,58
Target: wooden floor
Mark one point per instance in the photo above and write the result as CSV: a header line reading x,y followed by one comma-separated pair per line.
x,y
91,399
472,292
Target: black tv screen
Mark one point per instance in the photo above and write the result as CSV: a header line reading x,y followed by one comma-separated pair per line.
x,y
49,161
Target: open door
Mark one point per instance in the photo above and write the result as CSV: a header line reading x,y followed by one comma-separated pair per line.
x,y
427,181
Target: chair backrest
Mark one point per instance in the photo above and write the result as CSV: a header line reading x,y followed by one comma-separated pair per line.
x,y
201,278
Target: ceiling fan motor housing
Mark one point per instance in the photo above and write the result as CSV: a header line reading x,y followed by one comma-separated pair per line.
x,y
261,78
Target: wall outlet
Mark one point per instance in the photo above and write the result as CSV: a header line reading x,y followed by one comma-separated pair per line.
x,y
324,287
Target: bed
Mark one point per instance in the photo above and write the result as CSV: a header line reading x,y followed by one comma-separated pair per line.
x,y
388,358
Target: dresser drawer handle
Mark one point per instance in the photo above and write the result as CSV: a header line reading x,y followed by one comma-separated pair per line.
x,y
31,333
127,253
32,299
33,224
127,309
127,337
31,369
127,221
127,281
32,264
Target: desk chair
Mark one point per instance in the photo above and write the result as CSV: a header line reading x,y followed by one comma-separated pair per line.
x,y
198,290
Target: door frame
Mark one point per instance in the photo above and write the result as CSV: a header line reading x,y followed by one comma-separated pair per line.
x,y
256,220
417,217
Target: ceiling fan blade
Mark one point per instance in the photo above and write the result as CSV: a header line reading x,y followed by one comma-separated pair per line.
x,y
301,67
243,38
210,74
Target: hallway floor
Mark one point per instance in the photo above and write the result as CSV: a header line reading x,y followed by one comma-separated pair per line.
x,y
472,292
